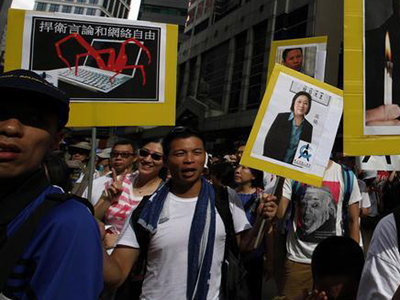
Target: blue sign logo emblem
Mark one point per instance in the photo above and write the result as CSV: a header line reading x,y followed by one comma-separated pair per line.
x,y
304,152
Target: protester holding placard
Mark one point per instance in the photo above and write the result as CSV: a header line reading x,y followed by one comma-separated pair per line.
x,y
318,214
174,224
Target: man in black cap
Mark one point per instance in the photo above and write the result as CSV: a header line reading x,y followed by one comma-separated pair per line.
x,y
63,257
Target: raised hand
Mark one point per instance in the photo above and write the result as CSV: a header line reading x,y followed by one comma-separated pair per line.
x,y
115,189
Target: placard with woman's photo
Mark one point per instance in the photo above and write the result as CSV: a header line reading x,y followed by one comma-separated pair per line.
x,y
295,128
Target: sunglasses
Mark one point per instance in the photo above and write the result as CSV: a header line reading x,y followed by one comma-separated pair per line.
x,y
154,156
122,154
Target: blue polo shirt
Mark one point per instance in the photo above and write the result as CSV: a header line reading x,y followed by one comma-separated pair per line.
x,y
63,261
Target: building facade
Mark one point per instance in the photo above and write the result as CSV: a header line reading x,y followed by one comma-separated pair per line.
x,y
165,11
101,8
223,62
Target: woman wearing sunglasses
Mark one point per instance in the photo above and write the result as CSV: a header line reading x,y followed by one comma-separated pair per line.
x,y
115,210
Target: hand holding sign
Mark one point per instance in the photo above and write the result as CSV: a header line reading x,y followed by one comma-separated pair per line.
x,y
268,206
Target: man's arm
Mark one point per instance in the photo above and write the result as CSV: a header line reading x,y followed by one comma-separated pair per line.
x,y
116,267
266,211
283,205
354,226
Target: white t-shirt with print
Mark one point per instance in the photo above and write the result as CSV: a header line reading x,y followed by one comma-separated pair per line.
x,y
318,215
167,256
381,274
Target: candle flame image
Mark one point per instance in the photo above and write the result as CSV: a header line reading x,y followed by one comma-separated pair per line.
x,y
388,52
388,72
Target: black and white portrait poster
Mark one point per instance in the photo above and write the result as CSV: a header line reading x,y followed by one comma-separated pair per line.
x,y
316,214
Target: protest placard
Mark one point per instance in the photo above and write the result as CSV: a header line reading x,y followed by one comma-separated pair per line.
x,y
379,163
117,72
371,111
307,55
312,109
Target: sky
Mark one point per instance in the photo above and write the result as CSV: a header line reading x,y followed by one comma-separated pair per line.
x,y
28,4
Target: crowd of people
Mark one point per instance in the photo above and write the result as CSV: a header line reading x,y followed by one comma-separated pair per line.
x,y
169,214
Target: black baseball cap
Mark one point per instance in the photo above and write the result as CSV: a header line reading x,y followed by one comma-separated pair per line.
x,y
31,83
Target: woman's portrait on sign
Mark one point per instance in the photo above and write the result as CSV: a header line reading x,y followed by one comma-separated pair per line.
x,y
288,129
297,123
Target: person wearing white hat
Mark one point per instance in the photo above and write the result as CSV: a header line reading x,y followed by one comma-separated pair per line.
x,y
103,162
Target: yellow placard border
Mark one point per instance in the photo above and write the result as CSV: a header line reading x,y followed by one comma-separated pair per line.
x,y
355,143
294,42
108,114
270,167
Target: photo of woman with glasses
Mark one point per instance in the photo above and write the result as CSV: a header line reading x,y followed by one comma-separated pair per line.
x,y
288,129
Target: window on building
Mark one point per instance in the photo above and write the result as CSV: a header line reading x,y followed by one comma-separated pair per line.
x,y
180,76
121,12
258,66
91,11
66,9
54,7
78,10
292,25
192,73
105,4
93,1
81,1
237,75
200,27
68,0
212,79
41,6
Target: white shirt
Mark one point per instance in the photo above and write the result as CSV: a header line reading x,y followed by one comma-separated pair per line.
x,y
166,272
98,188
269,181
321,208
381,274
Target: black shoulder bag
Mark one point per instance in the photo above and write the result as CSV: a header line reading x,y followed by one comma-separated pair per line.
x,y
234,276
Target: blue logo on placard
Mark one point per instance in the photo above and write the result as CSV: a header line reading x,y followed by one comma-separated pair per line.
x,y
304,152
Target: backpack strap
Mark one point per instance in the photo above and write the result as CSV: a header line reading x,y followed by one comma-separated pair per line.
x,y
348,179
222,206
12,251
142,236
396,214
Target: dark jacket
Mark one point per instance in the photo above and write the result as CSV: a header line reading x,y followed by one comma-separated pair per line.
x,y
278,137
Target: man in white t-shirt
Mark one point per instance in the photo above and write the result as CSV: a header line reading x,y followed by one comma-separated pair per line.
x,y
381,274
317,215
123,156
176,207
